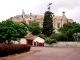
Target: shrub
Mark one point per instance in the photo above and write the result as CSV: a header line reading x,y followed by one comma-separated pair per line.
x,y
62,37
50,41
12,49
54,40
54,36
41,35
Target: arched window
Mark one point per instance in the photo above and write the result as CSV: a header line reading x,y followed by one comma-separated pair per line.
x,y
29,23
30,18
58,25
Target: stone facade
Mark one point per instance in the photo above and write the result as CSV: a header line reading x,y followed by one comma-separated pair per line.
x,y
58,21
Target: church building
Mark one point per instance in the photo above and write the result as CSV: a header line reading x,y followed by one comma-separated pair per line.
x,y
58,21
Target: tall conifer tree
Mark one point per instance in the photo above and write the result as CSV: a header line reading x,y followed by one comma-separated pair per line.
x,y
47,23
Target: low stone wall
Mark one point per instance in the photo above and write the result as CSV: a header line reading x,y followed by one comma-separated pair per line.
x,y
63,44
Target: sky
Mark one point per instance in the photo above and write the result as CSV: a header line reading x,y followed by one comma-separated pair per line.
x,y
10,8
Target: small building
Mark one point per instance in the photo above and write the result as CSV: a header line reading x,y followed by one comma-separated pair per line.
x,y
38,42
34,40
22,41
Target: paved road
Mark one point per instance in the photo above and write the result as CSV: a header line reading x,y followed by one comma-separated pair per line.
x,y
51,53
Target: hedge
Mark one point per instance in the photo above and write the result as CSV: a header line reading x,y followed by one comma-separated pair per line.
x,y
12,49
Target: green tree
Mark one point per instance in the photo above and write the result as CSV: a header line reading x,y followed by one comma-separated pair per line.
x,y
62,37
47,24
69,29
76,36
21,29
24,22
35,28
11,31
69,33
74,26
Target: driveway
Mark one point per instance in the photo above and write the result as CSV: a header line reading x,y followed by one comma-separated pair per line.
x,y
53,53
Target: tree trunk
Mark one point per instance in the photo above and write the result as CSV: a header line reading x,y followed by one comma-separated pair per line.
x,y
8,42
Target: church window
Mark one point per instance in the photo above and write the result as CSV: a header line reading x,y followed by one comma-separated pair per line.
x,y
35,15
29,23
58,25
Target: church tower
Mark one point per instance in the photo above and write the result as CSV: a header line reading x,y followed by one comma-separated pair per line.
x,y
23,14
63,14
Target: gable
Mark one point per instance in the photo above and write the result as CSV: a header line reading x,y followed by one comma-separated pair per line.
x,y
30,18
38,39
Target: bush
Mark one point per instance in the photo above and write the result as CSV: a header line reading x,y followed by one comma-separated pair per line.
x,y
62,37
12,49
42,36
50,41
54,36
54,40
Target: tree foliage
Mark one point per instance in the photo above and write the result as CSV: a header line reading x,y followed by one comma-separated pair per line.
x,y
74,26
11,31
24,22
21,29
47,24
69,29
35,28
76,36
62,37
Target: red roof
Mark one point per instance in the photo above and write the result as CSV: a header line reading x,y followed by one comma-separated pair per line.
x,y
30,36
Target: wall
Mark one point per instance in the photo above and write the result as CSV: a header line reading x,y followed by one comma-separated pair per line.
x,y
23,41
63,44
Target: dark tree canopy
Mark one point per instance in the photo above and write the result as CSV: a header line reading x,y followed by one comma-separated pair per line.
x,y
47,23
